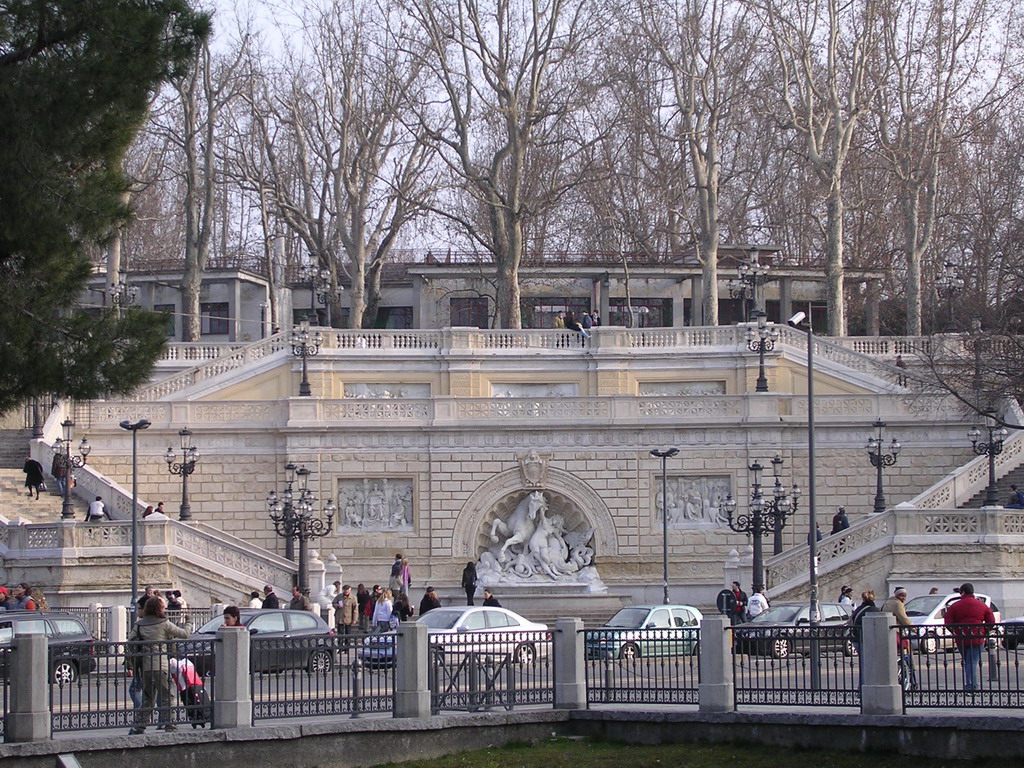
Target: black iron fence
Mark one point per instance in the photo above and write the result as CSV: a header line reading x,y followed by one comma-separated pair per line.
x,y
798,666
318,675
133,684
642,667
475,672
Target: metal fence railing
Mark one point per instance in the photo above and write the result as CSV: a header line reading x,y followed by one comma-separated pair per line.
x,y
5,665
962,666
475,672
797,666
659,666
129,685
317,675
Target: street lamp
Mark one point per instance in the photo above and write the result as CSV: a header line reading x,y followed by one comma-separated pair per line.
x,y
992,448
294,518
948,284
664,455
183,468
320,287
62,452
761,340
751,275
764,516
134,429
305,344
879,459
121,293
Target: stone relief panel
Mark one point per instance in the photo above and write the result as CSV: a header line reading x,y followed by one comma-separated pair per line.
x,y
375,504
681,388
386,391
693,502
516,389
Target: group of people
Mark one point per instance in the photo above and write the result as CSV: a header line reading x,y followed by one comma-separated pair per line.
x,y
738,606
22,597
582,326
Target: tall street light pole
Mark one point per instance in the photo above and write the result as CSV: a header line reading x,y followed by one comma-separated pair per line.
x,y
664,455
184,468
761,340
992,448
134,429
305,344
295,519
62,452
879,459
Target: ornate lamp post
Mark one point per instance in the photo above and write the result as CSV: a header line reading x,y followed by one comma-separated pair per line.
x,y
879,459
294,518
183,468
121,293
305,344
764,516
992,448
134,429
664,456
752,274
62,452
948,284
761,340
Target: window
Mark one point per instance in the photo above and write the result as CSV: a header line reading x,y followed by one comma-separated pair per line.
x,y
475,621
469,312
393,317
67,627
168,311
273,622
660,619
214,318
683,618
658,314
540,311
302,620
496,620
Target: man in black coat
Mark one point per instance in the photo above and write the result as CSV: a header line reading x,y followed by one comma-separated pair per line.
x,y
269,598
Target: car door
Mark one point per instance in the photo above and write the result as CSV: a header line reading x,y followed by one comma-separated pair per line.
x,y
502,630
658,633
833,618
474,632
303,630
70,640
268,632
684,624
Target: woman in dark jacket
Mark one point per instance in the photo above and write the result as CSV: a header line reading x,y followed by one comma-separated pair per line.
x,y
469,582
402,609
362,598
430,601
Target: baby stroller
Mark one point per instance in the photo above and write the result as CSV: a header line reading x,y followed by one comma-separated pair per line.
x,y
191,691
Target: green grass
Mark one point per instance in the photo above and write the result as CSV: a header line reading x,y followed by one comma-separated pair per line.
x,y
569,753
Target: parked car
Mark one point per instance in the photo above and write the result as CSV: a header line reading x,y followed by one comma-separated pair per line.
x,y
489,630
927,611
784,629
302,641
72,650
1013,633
646,630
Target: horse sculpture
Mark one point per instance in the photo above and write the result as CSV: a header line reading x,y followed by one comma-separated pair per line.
x,y
520,525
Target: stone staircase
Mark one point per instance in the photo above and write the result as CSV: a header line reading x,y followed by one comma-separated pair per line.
x,y
1013,477
14,503
14,447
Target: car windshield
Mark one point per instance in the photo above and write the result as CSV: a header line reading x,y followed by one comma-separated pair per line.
x,y
440,619
778,614
923,605
628,618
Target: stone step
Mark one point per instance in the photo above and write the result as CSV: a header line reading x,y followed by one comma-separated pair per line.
x,y
14,503
1014,477
14,447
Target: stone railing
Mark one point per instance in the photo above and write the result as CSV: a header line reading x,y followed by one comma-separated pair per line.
x,y
192,352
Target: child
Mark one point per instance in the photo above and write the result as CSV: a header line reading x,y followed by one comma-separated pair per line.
x,y
191,691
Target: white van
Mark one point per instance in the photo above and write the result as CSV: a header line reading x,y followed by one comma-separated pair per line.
x,y
927,611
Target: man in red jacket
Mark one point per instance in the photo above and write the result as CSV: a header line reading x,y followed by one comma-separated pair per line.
x,y
971,619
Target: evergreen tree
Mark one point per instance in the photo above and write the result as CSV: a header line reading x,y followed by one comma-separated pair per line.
x,y
76,78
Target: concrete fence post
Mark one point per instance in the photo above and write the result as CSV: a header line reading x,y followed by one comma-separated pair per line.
x,y
716,691
412,693
117,624
28,715
232,695
880,692
570,665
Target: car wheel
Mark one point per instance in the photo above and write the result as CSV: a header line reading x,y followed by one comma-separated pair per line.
x,y
1010,643
629,652
320,662
781,648
525,653
64,672
929,643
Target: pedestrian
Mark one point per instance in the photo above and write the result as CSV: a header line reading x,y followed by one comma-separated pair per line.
x,y
270,600
430,601
147,512
406,576
232,616
587,321
59,472
559,322
596,318
490,600
840,522
969,620
402,609
395,577
846,596
33,476
173,604
23,600
1016,498
856,625
363,600
97,510
902,365
933,591
894,605
141,603
757,604
299,601
469,581
739,605
254,600
151,664
573,325
346,611
383,607
191,691
160,509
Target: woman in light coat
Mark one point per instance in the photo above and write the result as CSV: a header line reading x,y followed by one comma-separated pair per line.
x,y
155,630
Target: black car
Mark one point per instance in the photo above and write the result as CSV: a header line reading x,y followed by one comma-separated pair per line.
x,y
280,639
785,628
72,651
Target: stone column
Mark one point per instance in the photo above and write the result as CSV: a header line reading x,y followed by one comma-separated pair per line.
x,y
715,693
570,665
28,714
117,624
880,692
232,696
412,693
